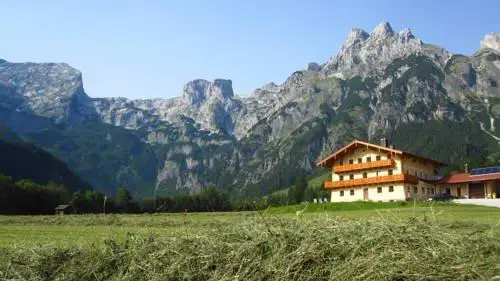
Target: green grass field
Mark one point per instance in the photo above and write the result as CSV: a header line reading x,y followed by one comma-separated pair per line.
x,y
83,230
386,241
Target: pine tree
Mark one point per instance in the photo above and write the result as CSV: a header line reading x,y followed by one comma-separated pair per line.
x,y
124,199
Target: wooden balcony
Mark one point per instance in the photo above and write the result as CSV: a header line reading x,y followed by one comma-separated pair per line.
x,y
364,166
371,181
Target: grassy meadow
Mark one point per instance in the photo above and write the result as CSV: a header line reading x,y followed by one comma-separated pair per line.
x,y
329,241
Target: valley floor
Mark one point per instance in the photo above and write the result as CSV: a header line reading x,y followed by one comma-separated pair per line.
x,y
386,240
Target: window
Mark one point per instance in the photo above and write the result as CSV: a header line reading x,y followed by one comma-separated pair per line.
x,y
420,174
391,188
360,160
428,190
415,190
423,190
341,193
432,190
351,161
365,175
352,192
379,189
341,178
368,159
377,158
351,177
389,172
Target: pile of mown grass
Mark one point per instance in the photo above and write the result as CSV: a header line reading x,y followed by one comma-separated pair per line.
x,y
275,249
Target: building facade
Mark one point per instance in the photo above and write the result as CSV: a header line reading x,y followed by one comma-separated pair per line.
x,y
369,172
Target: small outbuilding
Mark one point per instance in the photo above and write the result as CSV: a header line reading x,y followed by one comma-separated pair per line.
x,y
62,209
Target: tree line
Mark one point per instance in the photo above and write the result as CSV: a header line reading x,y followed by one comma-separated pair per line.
x,y
24,197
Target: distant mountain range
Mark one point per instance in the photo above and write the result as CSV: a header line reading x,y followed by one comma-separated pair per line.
x,y
385,83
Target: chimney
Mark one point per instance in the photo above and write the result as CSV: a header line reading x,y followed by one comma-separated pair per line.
x,y
384,142
466,168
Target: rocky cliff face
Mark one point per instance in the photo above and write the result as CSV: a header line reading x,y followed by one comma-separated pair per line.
x,y
49,90
383,83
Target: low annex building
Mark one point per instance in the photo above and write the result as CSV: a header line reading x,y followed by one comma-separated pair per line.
x,y
480,183
366,171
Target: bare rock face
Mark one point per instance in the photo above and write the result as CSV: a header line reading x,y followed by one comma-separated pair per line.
x,y
384,29
491,41
366,54
197,92
312,66
211,104
356,35
52,90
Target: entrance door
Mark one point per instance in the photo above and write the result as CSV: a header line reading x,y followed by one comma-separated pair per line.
x,y
459,192
476,190
365,194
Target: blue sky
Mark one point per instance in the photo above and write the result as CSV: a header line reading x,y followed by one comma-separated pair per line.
x,y
146,49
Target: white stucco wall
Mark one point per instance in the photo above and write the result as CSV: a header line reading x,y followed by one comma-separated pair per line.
x,y
424,190
417,168
373,195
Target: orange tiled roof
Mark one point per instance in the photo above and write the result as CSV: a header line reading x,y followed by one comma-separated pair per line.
x,y
464,177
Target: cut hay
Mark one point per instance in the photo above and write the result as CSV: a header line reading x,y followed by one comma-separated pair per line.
x,y
269,248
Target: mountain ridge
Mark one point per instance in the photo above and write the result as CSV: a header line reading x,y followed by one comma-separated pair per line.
x,y
381,83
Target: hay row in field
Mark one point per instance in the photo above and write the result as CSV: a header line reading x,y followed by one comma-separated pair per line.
x,y
275,249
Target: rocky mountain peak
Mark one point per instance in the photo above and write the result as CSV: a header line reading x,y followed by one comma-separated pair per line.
x,y
313,66
52,90
384,29
224,87
406,35
491,41
355,35
271,86
365,54
198,91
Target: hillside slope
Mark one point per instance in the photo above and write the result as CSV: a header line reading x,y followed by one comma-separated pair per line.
x,y
22,160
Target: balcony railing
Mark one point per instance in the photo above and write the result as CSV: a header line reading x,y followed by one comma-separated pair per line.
x,y
364,166
370,181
